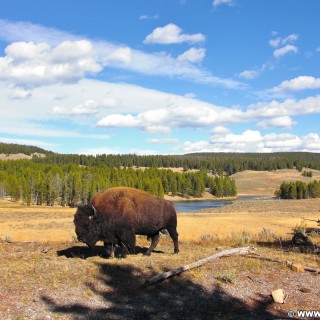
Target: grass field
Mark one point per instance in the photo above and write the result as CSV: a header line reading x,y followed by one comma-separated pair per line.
x,y
276,217
266,182
46,274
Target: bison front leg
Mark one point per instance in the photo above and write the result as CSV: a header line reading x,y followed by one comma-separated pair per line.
x,y
154,242
109,247
128,241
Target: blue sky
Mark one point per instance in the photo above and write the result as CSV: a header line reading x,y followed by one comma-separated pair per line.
x,y
160,76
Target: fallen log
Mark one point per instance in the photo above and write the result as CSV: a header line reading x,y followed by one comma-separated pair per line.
x,y
225,253
288,262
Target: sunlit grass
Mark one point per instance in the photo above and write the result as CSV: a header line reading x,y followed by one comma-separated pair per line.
x,y
55,224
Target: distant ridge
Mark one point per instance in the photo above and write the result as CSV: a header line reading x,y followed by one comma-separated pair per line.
x,y
219,163
12,148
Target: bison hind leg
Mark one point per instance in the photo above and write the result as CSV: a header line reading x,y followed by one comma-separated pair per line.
x,y
174,236
154,242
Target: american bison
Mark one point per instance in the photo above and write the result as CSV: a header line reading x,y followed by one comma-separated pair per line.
x,y
116,215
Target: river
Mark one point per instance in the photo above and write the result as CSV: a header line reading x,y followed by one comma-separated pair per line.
x,y
190,205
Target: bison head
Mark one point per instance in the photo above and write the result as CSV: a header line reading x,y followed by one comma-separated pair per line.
x,y
85,226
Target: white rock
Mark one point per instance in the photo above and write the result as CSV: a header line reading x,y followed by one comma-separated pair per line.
x,y
278,296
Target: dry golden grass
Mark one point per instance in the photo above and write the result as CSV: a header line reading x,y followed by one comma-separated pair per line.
x,y
253,219
266,182
45,261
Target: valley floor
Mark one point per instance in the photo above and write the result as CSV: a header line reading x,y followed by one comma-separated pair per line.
x,y
46,274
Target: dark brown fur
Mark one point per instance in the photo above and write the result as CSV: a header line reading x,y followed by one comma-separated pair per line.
x,y
116,215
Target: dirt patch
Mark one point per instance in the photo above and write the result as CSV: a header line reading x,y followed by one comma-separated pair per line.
x,y
68,281
19,156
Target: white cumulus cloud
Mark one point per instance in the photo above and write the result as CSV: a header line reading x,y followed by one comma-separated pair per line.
x,y
104,54
87,108
297,84
120,55
284,45
193,55
277,122
163,141
170,34
249,74
285,50
31,64
254,141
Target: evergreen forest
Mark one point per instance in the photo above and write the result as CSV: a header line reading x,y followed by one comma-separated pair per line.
x,y
71,179
298,190
71,184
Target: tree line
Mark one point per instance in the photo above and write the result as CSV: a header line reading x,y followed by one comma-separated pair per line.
x,y
13,148
71,184
217,163
298,190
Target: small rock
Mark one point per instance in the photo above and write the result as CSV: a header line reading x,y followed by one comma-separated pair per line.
x,y
305,290
278,296
297,267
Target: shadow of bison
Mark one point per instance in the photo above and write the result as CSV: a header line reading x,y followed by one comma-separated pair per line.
x,y
116,215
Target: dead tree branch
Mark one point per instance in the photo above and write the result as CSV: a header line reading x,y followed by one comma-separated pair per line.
x,y
225,253
288,262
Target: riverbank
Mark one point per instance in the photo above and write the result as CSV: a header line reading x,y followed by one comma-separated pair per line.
x,y
205,196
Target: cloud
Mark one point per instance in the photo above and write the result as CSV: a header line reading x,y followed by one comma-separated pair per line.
x,y
298,84
30,64
284,45
163,141
171,34
283,41
217,3
88,107
19,93
193,55
146,17
120,55
277,122
106,150
29,142
254,141
288,107
285,50
26,31
249,74
164,120
104,54
220,130
171,112
33,130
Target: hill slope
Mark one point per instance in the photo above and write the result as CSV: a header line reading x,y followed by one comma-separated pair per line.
x,y
264,183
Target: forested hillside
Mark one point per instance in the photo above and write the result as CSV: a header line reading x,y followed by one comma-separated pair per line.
x,y
218,163
18,148
70,184
70,179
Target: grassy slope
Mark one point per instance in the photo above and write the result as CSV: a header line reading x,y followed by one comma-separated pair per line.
x,y
266,182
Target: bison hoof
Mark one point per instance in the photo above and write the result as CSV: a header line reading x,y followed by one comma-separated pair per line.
x,y
147,254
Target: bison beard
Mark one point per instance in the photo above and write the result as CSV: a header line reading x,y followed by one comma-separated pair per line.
x,y
116,215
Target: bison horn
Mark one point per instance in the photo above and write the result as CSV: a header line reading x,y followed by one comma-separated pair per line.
x,y
94,211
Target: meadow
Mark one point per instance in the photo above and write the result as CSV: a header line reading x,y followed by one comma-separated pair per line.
x,y
46,273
